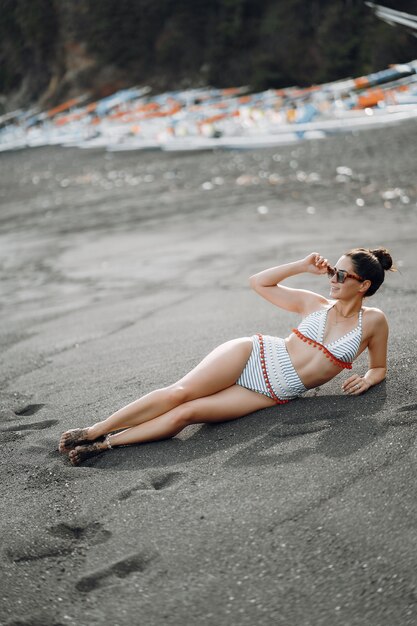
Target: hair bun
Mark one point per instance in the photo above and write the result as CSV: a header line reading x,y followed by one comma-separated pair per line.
x,y
383,257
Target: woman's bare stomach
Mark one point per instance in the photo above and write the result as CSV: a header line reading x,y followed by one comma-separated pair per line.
x,y
311,364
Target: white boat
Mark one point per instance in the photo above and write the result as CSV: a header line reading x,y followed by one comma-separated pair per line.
x,y
134,144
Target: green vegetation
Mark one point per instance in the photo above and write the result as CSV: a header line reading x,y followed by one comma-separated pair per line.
x,y
183,43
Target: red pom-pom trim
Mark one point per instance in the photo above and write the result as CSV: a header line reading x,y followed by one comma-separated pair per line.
x,y
265,373
327,353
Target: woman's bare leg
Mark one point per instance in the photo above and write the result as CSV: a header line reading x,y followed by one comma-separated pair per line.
x,y
222,406
217,371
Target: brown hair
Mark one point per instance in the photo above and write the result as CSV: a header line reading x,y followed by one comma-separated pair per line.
x,y
371,265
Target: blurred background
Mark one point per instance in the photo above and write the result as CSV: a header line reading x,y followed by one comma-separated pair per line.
x,y
51,50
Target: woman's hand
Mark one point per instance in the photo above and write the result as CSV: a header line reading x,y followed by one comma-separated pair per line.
x,y
301,301
355,385
315,263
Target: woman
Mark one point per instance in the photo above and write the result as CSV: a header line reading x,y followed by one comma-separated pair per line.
x,y
251,373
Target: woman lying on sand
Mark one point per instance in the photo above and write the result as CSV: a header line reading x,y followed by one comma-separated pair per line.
x,y
251,373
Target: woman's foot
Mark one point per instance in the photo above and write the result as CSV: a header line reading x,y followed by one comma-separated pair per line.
x,y
72,438
81,453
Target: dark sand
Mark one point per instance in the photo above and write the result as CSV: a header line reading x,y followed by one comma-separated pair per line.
x,y
118,274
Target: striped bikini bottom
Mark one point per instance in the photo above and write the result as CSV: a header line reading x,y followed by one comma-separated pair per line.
x,y
269,370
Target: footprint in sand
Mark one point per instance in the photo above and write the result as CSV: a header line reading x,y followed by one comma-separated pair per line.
x,y
407,408
34,426
121,569
30,409
155,483
162,481
70,536
404,416
93,532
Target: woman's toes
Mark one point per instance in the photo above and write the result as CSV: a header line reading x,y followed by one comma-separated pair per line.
x,y
71,438
81,453
73,457
63,442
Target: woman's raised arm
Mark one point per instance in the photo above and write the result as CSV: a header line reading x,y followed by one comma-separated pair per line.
x,y
267,284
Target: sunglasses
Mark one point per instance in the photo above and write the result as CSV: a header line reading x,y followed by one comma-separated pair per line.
x,y
341,275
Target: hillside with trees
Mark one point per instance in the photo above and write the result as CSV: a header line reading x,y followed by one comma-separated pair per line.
x,y
54,49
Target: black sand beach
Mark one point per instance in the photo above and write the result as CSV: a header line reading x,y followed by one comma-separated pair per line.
x,y
118,273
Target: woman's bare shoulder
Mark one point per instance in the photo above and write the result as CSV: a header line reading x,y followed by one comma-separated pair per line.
x,y
375,317
371,311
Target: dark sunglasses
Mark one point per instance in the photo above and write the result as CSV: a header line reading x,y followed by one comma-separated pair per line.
x,y
341,275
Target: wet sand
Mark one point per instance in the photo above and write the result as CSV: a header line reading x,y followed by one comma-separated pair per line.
x,y
118,273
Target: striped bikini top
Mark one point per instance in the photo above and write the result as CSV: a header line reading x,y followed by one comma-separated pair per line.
x,y
342,350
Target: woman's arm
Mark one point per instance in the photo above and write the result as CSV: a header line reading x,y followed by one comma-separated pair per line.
x,y
266,284
377,351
